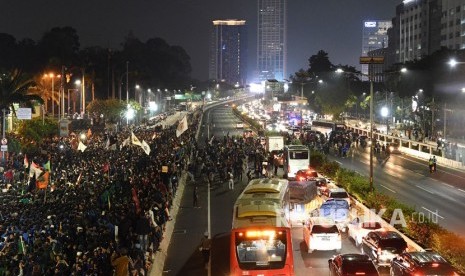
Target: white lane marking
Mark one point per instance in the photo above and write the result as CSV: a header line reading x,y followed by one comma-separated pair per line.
x,y
338,162
388,188
422,163
426,190
434,213
463,191
444,183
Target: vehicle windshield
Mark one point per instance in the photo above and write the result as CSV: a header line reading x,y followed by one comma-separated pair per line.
x,y
357,268
324,229
257,253
339,195
298,154
395,246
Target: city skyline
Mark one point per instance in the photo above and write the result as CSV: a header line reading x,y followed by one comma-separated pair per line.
x,y
188,24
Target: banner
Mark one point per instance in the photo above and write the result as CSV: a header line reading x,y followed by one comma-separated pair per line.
x,y
182,126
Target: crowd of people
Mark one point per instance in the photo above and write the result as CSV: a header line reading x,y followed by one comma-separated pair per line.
x,y
104,209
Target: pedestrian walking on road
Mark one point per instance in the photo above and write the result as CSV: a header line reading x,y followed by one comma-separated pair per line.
x,y
231,181
196,198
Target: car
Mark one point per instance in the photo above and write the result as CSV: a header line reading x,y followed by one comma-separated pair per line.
x,y
359,228
305,175
393,147
339,193
421,263
321,233
351,264
383,246
240,125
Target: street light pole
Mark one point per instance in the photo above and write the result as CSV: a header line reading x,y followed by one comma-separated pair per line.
x,y
371,134
3,132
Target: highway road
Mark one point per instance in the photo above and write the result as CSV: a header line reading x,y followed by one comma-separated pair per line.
x,y
439,196
183,257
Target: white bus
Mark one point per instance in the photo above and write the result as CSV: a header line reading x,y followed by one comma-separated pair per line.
x,y
295,158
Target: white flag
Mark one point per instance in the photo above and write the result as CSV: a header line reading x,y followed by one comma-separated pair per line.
x,y
126,142
81,147
182,126
135,140
145,147
35,170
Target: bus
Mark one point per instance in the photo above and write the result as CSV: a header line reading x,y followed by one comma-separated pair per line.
x,y
261,242
295,158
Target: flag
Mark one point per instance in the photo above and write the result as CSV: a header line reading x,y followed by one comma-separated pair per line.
x,y
126,142
47,166
42,181
211,140
79,179
135,140
182,126
21,247
107,145
145,147
89,133
34,170
26,161
81,147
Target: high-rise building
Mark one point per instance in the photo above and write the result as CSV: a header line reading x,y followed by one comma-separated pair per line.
x,y
416,30
452,24
374,37
271,40
228,52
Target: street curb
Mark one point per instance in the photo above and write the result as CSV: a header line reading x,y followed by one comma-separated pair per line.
x,y
160,256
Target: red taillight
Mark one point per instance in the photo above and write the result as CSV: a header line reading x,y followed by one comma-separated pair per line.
x,y
359,273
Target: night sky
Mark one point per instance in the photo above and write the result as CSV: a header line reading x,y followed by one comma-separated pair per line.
x,y
331,25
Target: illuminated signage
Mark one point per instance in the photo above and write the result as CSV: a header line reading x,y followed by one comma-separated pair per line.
x,y
370,24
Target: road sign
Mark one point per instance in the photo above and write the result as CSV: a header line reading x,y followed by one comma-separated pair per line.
x,y
4,141
372,60
4,148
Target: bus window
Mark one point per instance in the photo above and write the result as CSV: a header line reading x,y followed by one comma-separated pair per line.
x,y
261,249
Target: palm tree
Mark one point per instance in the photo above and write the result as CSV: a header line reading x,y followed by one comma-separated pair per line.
x,y
15,88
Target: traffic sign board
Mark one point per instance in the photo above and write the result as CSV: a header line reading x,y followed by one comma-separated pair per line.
x,y
4,141
372,60
4,148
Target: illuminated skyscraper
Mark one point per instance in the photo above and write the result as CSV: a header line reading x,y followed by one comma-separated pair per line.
x,y
228,53
374,37
271,40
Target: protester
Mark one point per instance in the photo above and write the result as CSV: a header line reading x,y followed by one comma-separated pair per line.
x,y
110,199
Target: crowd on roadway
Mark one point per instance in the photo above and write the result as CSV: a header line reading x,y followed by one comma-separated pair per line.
x,y
104,209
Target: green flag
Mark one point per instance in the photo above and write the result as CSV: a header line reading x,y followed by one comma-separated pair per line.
x,y
47,166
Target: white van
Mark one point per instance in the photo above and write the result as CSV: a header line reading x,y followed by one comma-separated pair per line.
x,y
322,234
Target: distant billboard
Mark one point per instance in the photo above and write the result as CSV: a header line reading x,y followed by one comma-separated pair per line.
x,y
24,113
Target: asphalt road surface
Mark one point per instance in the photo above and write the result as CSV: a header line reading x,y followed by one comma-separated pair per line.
x,y
184,257
439,196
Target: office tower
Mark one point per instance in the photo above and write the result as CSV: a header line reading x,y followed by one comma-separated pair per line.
x,y
416,30
452,22
374,37
228,54
271,40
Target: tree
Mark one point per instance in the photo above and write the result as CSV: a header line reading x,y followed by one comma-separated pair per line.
x,y
14,88
111,109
